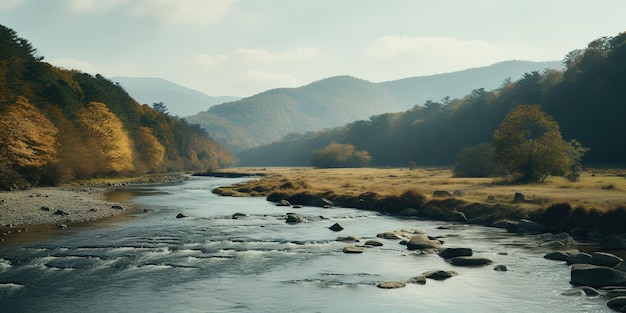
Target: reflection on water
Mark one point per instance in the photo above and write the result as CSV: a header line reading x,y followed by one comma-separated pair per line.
x,y
210,262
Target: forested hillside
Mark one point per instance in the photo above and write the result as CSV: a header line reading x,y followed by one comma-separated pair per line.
x,y
586,99
334,101
58,125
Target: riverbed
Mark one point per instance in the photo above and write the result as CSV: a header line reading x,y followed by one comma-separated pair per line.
x,y
212,262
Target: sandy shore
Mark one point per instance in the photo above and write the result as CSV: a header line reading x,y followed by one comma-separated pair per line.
x,y
46,208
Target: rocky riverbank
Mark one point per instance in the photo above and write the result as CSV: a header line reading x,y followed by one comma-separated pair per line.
x,y
54,207
45,209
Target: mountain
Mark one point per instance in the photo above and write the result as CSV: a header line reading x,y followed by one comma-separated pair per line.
x,y
331,102
417,90
180,100
586,99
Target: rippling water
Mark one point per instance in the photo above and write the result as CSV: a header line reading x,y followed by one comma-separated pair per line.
x,y
209,262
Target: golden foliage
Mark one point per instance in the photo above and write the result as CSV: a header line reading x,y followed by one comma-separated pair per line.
x,y
27,138
150,152
108,141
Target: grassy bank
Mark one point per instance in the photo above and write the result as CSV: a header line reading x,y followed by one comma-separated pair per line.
x,y
596,204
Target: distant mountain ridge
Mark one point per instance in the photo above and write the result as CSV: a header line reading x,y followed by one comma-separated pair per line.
x,y
180,100
335,101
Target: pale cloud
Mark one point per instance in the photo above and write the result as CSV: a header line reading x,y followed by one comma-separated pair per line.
x,y
259,57
273,79
392,46
9,4
265,56
181,11
195,12
440,54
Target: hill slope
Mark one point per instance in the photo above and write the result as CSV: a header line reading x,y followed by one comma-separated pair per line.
x,y
586,99
331,102
58,125
271,115
180,100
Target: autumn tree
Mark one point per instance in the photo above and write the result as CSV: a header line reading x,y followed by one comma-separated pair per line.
x,y
529,144
27,143
150,152
108,141
339,155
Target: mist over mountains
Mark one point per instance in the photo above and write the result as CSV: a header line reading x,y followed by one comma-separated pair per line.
x,y
180,100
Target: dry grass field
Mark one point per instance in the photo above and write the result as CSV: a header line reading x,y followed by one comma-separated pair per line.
x,y
600,189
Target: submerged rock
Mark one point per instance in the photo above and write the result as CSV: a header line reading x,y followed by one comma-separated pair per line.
x,y
581,291
373,243
181,215
470,261
449,253
348,239
238,215
391,284
294,218
500,268
439,274
352,249
419,279
283,203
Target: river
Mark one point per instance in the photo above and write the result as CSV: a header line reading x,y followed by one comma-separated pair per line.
x,y
210,262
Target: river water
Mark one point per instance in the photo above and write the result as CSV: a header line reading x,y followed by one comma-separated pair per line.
x,y
210,262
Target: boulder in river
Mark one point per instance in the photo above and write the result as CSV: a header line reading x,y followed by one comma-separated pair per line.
x,y
391,284
352,249
283,203
449,253
238,215
470,261
348,239
579,258
500,268
421,241
373,243
617,303
561,255
336,227
181,215
419,279
439,274
293,218
596,276
605,259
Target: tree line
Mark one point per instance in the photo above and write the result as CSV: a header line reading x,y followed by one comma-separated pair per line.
x,y
60,125
585,99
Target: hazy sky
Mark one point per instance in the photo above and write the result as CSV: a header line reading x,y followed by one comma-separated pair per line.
x,y
243,47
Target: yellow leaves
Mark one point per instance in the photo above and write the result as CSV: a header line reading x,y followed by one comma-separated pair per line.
x,y
150,152
108,140
27,138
